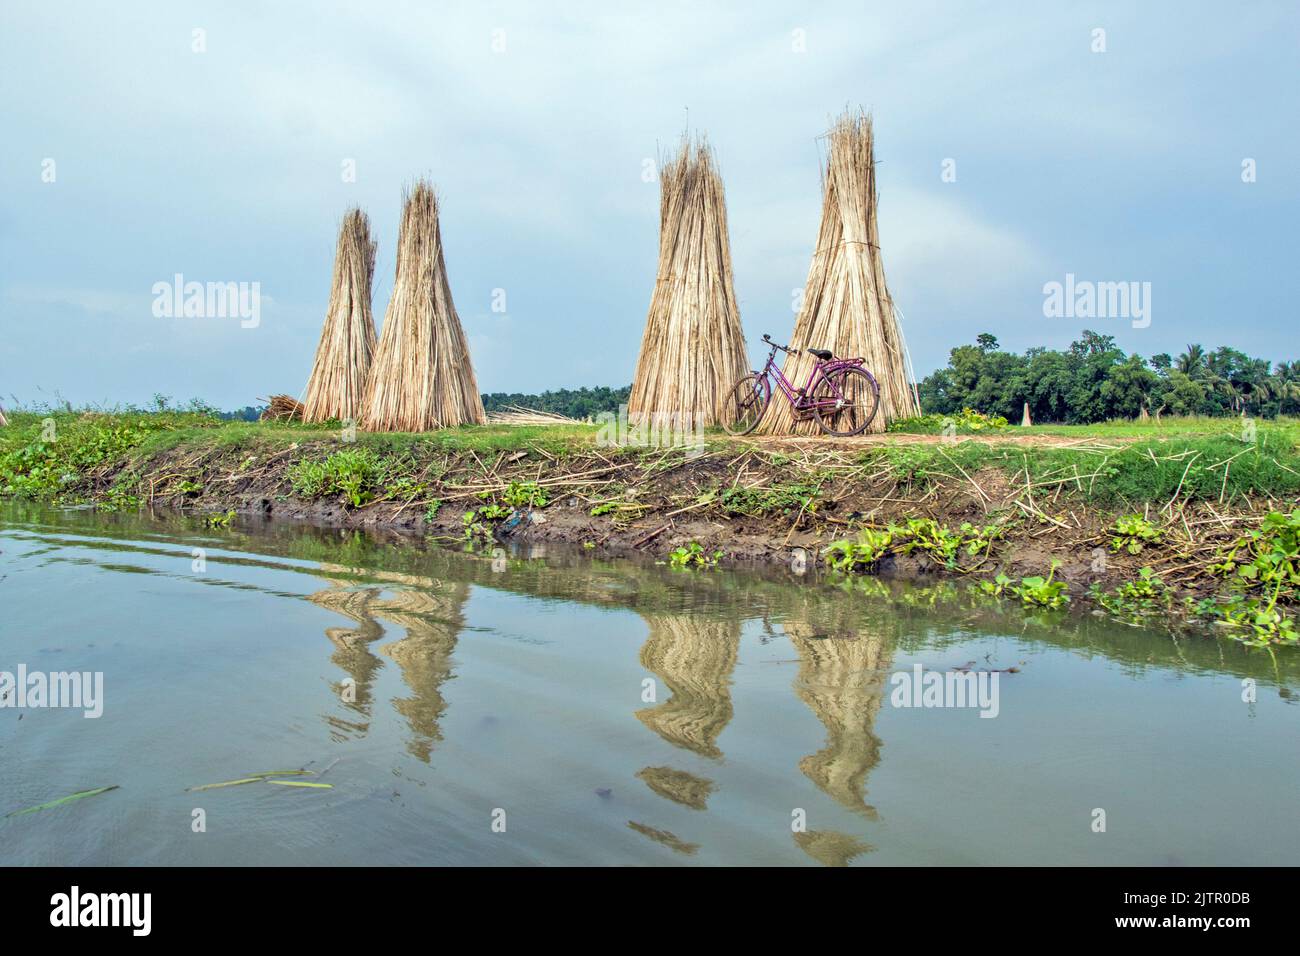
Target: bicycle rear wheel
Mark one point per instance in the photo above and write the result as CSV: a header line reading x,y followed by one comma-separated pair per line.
x,y
742,407
845,401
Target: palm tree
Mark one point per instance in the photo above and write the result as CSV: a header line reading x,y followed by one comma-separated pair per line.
x,y
1255,382
1284,385
1191,362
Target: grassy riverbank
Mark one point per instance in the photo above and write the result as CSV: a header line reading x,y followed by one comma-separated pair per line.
x,y
1013,510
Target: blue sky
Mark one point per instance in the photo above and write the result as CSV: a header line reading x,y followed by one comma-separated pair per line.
x,y
225,166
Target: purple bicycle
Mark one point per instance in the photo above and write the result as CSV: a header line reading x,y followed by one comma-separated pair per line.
x,y
841,395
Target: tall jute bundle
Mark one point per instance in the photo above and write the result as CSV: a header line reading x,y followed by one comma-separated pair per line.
x,y
693,348
337,385
846,304
421,377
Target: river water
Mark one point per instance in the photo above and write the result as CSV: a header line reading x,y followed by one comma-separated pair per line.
x,y
550,707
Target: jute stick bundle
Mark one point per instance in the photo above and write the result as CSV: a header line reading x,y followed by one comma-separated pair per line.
x,y
846,304
282,408
421,377
693,348
337,385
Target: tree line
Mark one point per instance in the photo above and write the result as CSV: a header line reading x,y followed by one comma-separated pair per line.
x,y
1094,380
573,402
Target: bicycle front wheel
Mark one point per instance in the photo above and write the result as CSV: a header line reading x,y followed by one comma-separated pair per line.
x,y
742,407
845,401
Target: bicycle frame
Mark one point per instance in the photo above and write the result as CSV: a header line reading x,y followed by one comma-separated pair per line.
x,y
799,398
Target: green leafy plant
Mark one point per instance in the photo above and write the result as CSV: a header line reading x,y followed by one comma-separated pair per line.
x,y
525,494
932,538
978,541
693,555
478,521
1263,571
1135,600
1133,533
862,554
431,511
1042,592
354,473
220,520
405,488
1259,622
919,534
776,499
998,586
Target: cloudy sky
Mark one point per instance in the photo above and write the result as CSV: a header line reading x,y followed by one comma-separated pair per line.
x,y
127,156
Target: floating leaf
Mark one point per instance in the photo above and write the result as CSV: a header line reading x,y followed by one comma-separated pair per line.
x,y
62,800
302,783
224,783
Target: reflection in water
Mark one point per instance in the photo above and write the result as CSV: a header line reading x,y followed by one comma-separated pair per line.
x,y
432,619
678,786
694,655
844,638
670,840
430,612
352,653
831,848
843,657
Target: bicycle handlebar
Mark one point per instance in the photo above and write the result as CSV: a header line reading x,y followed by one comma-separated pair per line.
x,y
783,348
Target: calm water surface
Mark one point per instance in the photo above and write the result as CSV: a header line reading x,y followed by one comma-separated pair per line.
x,y
608,712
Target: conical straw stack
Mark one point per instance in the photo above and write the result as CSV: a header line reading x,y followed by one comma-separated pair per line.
x,y
693,348
846,304
421,378
337,385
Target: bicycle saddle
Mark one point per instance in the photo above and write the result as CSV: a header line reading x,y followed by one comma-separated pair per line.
x,y
823,354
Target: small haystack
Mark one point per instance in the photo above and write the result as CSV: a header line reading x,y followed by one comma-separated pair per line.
x,y
281,408
518,415
421,377
846,304
337,385
693,348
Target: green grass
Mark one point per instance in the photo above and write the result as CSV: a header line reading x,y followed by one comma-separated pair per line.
x,y
1120,463
481,439
43,454
1152,468
1169,427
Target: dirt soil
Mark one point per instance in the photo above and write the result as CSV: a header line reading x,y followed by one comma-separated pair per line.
x,y
736,500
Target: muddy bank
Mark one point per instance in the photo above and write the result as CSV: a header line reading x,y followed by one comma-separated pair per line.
x,y
759,503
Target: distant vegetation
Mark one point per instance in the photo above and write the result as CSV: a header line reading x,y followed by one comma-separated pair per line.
x,y
1094,381
573,402
984,388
